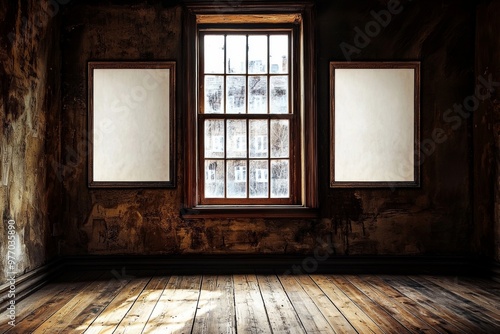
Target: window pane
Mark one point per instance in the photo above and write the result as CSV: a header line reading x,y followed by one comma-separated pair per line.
x,y
258,138
236,138
257,95
236,178
280,180
236,55
259,181
257,54
214,98
246,152
214,54
280,138
214,138
235,94
214,178
278,53
279,94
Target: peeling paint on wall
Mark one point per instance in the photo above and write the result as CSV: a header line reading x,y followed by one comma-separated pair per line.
x,y
29,115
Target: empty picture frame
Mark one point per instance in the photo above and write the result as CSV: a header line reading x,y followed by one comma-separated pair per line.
x,y
374,124
131,123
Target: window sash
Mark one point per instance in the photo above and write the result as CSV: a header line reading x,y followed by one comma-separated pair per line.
x,y
292,157
290,74
292,115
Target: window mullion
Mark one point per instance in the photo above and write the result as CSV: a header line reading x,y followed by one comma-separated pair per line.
x,y
224,161
291,124
247,97
247,91
225,74
225,118
269,185
268,67
248,157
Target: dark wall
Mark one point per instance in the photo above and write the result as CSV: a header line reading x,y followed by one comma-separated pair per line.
x,y
437,217
486,239
29,142
434,219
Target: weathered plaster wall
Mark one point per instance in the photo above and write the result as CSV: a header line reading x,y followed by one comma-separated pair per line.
x,y
29,115
434,219
487,134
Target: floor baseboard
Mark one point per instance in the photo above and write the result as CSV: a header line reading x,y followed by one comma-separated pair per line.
x,y
307,264
29,282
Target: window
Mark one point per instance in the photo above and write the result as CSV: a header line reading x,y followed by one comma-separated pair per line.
x,y
245,86
250,130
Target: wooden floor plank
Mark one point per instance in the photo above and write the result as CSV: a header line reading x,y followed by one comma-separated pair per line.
x,y
46,302
480,312
463,325
282,317
109,319
136,318
37,299
251,316
175,310
427,315
392,304
487,285
478,297
461,315
215,312
331,313
358,319
377,313
310,316
121,303
77,315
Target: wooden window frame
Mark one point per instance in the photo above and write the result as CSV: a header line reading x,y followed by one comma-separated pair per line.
x,y
304,189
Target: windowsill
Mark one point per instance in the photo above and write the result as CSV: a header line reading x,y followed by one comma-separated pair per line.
x,y
232,211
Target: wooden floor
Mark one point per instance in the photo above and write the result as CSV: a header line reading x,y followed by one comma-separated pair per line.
x,y
146,302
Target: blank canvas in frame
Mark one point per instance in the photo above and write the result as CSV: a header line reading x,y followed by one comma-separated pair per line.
x,y
374,124
131,120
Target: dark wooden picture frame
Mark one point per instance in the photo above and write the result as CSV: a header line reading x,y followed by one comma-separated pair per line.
x,y
374,124
131,124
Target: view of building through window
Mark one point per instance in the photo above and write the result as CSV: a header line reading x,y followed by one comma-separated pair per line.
x,y
245,103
